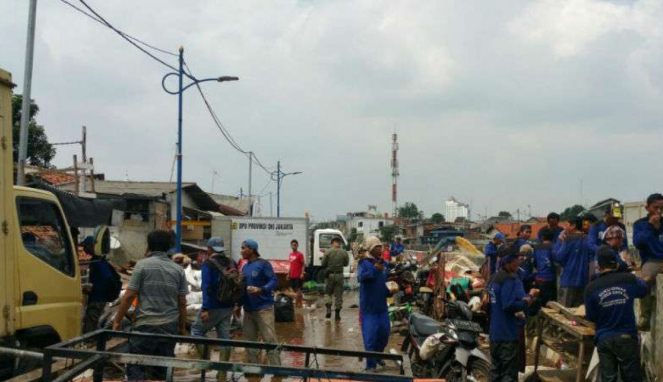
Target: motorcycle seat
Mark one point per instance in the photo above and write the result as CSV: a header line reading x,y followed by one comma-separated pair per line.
x,y
424,326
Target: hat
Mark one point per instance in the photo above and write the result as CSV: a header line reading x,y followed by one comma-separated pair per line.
x,y
614,209
500,236
526,249
251,244
606,257
336,238
89,240
614,232
372,242
216,243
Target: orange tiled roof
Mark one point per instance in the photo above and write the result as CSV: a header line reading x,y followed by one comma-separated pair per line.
x,y
511,229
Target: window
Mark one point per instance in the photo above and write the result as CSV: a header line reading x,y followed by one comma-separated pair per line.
x,y
326,238
43,233
360,224
381,224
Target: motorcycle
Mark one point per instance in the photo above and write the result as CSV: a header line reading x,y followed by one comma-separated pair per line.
x,y
448,351
403,274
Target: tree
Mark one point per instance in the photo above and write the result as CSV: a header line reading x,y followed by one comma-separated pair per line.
x,y
437,218
504,214
409,210
40,151
387,233
572,212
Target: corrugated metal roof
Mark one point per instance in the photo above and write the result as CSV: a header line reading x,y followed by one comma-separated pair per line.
x,y
120,188
237,204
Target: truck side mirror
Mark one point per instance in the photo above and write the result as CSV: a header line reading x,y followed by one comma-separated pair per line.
x,y
102,240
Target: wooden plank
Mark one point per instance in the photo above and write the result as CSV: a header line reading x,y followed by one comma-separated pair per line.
x,y
579,331
571,314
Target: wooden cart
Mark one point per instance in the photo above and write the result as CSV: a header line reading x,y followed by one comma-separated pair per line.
x,y
581,330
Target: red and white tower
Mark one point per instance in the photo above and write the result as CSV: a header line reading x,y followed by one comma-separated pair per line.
x,y
394,173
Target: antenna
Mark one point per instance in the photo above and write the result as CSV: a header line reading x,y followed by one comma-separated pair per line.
x,y
394,173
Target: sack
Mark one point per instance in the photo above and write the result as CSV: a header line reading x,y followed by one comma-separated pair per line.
x,y
284,309
231,281
114,283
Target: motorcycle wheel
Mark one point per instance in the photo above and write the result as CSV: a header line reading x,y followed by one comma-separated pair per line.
x,y
477,371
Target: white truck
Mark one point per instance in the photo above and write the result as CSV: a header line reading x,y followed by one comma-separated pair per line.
x,y
274,235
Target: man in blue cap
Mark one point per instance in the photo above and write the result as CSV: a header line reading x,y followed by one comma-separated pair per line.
x,y
260,282
216,311
491,250
609,304
613,214
508,303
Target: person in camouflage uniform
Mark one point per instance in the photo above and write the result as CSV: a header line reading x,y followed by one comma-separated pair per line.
x,y
335,259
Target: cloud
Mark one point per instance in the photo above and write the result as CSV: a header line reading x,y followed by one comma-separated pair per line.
x,y
503,105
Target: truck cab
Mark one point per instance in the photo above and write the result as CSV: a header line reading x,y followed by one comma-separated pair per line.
x,y
40,285
321,241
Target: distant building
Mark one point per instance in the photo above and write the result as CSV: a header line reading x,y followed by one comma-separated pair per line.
x,y
367,223
455,210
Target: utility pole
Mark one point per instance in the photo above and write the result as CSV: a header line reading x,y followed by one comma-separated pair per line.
x,y
278,189
27,86
250,195
271,210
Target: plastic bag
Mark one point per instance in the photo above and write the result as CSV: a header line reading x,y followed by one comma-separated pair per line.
x,y
430,346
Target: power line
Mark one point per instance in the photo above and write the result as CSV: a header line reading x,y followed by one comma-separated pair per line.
x,y
123,33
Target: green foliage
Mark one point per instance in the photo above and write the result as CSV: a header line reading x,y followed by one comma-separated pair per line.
x,y
437,218
388,232
409,210
504,214
572,212
40,151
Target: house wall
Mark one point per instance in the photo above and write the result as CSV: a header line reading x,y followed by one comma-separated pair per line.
x,y
368,226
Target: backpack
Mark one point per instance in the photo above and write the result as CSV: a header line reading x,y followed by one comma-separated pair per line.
x,y
114,283
231,281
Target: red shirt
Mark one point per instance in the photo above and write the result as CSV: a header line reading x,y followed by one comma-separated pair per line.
x,y
296,265
386,256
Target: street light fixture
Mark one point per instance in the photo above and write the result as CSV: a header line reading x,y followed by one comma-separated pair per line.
x,y
180,74
279,177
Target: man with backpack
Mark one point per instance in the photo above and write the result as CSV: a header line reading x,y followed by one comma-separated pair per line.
x,y
106,286
222,289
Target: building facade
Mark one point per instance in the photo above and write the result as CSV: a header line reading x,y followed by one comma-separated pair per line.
x,y
455,210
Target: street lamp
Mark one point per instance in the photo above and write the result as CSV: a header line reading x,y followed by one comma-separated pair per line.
x,y
180,74
279,177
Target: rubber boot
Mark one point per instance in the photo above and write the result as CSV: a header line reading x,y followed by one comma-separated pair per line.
x,y
337,317
224,356
328,315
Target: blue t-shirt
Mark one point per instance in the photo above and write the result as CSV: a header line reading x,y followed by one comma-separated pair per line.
x,y
609,303
100,275
490,250
396,250
543,262
648,240
211,280
506,299
259,273
373,290
574,255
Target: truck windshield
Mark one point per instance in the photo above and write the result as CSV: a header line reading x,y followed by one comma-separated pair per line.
x,y
43,233
326,238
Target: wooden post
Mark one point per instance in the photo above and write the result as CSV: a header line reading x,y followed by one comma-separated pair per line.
x,y
76,181
92,176
657,326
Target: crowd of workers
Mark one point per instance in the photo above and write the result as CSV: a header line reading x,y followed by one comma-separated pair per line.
x,y
590,262
587,262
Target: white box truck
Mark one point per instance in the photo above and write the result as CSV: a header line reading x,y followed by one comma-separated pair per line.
x,y
274,235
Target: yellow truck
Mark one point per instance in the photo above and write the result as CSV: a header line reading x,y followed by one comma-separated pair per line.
x,y
40,282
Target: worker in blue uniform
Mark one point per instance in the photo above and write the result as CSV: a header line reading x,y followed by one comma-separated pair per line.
x,y
397,249
373,307
573,253
648,239
491,250
552,227
508,303
609,304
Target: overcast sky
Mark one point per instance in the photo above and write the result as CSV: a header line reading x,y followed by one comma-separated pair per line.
x,y
502,104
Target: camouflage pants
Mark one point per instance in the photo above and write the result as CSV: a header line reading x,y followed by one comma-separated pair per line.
x,y
334,288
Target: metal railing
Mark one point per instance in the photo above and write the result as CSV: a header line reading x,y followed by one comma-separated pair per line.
x,y
96,359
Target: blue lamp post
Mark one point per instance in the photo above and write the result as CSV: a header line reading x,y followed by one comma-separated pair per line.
x,y
279,178
180,74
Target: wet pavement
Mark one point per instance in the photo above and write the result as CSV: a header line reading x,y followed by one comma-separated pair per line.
x,y
310,328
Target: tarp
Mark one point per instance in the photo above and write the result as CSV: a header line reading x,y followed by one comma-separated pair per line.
x,y
84,212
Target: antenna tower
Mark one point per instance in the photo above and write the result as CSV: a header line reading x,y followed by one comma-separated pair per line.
x,y
394,173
